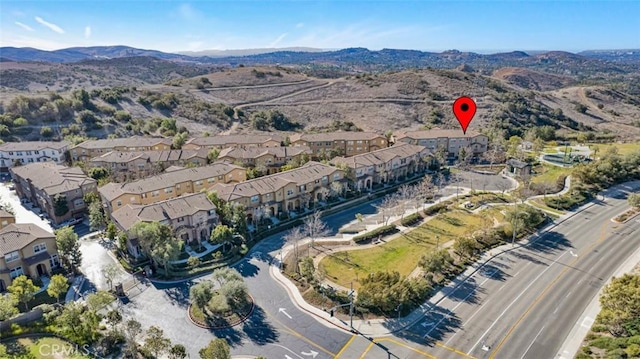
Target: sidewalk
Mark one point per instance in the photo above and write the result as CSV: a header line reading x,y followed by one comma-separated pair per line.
x,y
383,327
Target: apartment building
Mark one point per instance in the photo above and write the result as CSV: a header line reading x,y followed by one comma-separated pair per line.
x,y
6,218
92,148
242,141
192,217
12,153
287,191
135,165
339,143
384,165
26,249
451,140
268,159
42,183
171,184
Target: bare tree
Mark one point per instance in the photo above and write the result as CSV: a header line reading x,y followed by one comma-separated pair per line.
x,y
503,186
305,198
546,187
294,236
336,188
494,154
385,207
314,227
424,189
405,195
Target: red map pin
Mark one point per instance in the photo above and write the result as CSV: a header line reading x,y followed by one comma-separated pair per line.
x,y
464,108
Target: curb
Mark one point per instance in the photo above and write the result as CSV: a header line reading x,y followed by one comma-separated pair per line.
x,y
231,325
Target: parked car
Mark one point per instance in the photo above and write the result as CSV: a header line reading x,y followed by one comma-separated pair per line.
x,y
12,187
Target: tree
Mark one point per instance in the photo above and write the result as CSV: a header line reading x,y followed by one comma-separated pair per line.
x,y
7,306
200,294
98,173
517,220
465,247
46,131
23,290
98,300
314,227
222,234
385,207
156,342
581,108
60,206
68,248
213,154
294,236
307,269
110,272
336,188
57,286
436,262
166,251
513,147
157,242
112,231
235,291
96,216
132,331
620,302
634,200
78,324
178,351
216,349
179,140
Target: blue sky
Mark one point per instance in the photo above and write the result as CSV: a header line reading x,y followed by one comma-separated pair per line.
x,y
240,24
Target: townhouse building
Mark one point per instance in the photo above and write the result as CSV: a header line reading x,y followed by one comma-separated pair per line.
x,y
12,153
283,192
451,140
268,159
125,166
45,183
171,184
191,216
242,141
339,143
26,249
6,218
384,165
92,148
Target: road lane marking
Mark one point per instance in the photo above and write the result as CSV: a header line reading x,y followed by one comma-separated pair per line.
x,y
437,343
344,347
603,236
533,341
561,302
514,301
364,354
408,347
298,335
287,349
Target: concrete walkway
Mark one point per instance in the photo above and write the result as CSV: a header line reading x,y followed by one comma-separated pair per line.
x,y
385,327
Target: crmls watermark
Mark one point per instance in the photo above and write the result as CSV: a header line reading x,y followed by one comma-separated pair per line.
x,y
64,350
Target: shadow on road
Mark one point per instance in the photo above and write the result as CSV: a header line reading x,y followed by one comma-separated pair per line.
x,y
248,269
258,329
179,295
433,327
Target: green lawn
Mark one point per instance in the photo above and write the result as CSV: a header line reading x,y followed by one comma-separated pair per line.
x,y
401,254
43,348
540,204
623,148
549,173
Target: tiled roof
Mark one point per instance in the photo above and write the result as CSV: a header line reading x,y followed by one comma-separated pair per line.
x,y
381,156
332,136
112,191
18,235
135,141
150,156
222,140
256,152
271,183
5,214
53,178
437,133
186,205
34,145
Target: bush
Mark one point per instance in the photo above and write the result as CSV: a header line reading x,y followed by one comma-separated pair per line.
x,y
411,219
382,231
436,208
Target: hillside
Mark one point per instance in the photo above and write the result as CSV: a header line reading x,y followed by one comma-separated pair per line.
x,y
132,95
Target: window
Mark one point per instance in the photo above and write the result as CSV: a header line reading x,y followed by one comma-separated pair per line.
x,y
198,183
268,195
212,212
5,223
39,247
254,199
78,202
303,188
144,195
155,193
10,153
16,272
181,219
19,153
38,152
219,177
119,203
9,257
54,261
336,176
28,153
168,190
211,180
177,186
325,179
359,142
289,192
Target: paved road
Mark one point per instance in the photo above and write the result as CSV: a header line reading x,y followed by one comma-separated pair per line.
x,y
524,303
94,258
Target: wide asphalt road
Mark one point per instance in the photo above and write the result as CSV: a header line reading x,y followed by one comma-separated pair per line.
x,y
524,302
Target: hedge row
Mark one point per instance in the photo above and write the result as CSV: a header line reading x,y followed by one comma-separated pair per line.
x,y
382,231
436,208
411,219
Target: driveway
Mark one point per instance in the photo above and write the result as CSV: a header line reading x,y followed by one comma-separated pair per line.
x,y
95,256
24,214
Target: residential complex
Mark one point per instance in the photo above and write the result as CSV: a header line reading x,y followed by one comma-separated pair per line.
x,y
26,249
340,143
135,165
287,191
93,148
267,159
384,165
6,218
451,140
242,141
12,153
168,185
44,183
192,217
